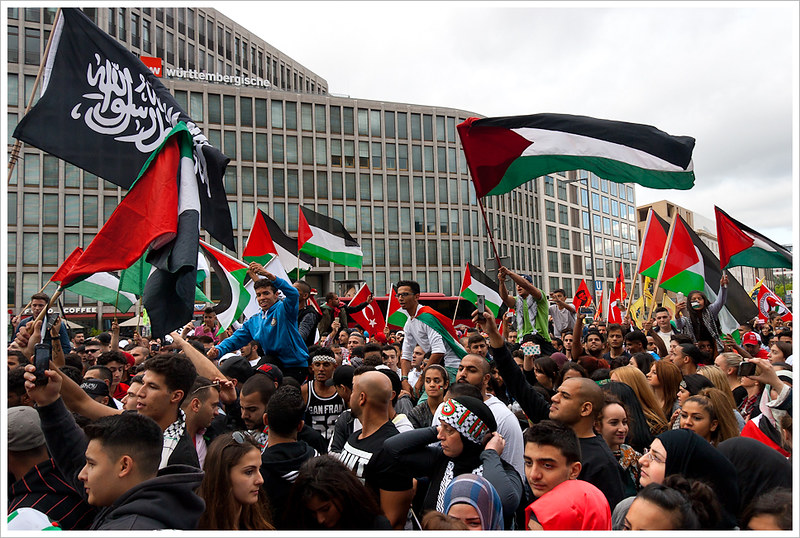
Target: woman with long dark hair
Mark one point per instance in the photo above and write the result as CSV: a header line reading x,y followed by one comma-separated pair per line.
x,y
613,426
639,436
328,495
231,486
701,320
436,382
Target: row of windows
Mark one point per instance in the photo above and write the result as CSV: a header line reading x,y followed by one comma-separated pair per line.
x,y
164,42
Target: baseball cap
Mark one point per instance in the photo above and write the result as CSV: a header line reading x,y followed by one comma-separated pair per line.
x,y
750,338
237,367
343,375
272,371
94,387
24,429
529,278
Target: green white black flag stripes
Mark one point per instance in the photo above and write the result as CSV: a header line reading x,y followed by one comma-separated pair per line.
x,y
327,239
103,287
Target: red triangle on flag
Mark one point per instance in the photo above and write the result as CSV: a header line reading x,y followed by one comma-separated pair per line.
x,y
467,280
259,242
682,253
304,232
732,239
67,266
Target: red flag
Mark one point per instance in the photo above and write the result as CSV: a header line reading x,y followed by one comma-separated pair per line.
x,y
583,297
67,266
146,217
619,285
769,303
371,317
395,316
598,314
259,246
614,313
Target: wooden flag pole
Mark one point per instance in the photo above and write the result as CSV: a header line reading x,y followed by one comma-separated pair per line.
x,y
12,162
639,257
489,231
40,291
458,301
661,269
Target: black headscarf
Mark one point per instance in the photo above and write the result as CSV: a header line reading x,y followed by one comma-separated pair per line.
x,y
759,468
691,456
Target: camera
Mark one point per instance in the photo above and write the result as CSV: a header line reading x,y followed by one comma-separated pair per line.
x,y
746,369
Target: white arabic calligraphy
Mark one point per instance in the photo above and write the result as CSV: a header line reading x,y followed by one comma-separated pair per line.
x,y
130,114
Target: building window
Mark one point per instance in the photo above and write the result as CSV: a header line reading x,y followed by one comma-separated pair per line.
x,y
564,238
552,262
551,236
563,215
550,210
31,46
549,186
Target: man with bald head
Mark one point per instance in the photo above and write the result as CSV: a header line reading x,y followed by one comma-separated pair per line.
x,y
362,453
475,370
577,403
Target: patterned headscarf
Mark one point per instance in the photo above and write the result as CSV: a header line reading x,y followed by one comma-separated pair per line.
x,y
479,493
470,416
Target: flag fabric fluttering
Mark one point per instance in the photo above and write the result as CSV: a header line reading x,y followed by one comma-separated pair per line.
x,y
371,317
327,239
770,304
267,240
619,285
652,248
134,278
615,298
232,275
102,286
475,283
740,245
693,266
396,316
637,312
598,314
99,99
583,297
505,152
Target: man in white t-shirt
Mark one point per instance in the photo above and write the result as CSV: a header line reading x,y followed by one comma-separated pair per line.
x,y
563,314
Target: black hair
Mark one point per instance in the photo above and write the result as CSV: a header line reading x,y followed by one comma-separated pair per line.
x,y
104,338
285,410
556,434
681,339
363,368
644,361
133,434
639,436
660,309
701,496
673,501
691,351
105,373
208,310
595,332
614,327
178,371
600,374
463,389
138,378
411,284
560,290
372,347
263,384
637,336
111,356
73,373
22,359
548,366
566,367
72,359
16,381
262,283
199,390
776,502
475,339
304,286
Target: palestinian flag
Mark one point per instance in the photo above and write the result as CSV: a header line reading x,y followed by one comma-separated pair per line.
x,y
652,248
475,283
503,153
104,111
740,245
231,274
682,270
396,316
327,239
101,286
134,278
444,327
267,240
687,271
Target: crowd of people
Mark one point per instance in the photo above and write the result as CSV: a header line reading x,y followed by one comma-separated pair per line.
x,y
296,421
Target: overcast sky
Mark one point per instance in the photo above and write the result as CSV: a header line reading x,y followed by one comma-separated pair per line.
x,y
723,74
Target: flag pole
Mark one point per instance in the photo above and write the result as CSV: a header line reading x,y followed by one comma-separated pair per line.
x,y
489,232
456,310
42,290
639,257
138,313
661,269
12,162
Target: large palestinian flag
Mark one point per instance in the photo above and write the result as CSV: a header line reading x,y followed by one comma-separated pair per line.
x,y
232,275
690,265
267,240
503,153
652,248
327,239
740,245
475,283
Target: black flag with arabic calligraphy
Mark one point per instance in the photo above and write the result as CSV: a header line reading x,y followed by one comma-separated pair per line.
x,y
104,111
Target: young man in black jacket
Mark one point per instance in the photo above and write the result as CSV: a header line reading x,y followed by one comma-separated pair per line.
x,y
116,464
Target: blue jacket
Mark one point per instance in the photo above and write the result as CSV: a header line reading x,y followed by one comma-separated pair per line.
x,y
275,330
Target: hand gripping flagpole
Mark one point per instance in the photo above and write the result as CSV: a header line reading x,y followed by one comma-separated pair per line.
x,y
12,162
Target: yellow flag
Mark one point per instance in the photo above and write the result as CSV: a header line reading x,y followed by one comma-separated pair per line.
x,y
667,303
753,294
637,312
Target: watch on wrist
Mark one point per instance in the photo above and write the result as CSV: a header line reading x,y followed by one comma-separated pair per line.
x,y
404,378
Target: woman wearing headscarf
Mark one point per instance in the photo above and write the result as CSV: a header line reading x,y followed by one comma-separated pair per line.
x,y
473,500
701,320
685,453
759,468
469,444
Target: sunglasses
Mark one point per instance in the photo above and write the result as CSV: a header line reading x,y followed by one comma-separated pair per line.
x,y
241,438
215,384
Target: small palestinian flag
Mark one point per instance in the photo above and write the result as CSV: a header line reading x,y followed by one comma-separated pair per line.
x,y
683,269
476,282
102,286
740,245
652,249
231,274
395,314
267,240
503,153
327,239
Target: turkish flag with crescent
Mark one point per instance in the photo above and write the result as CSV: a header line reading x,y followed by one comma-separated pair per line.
x,y
371,317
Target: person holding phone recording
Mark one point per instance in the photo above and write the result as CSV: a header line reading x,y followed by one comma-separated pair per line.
x,y
701,320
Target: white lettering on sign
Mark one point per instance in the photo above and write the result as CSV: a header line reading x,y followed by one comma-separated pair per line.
x,y
236,80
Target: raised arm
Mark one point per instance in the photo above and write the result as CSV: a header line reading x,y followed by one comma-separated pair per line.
x,y
577,333
535,292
